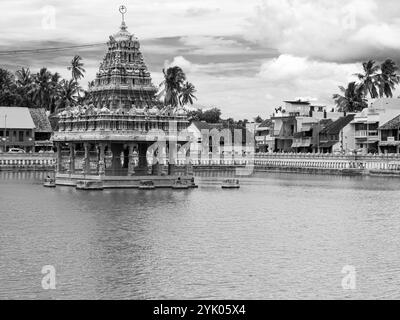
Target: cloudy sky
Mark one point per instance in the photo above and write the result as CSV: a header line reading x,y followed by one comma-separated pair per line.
x,y
244,57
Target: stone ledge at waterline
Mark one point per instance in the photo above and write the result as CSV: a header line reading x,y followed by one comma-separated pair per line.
x,y
388,165
27,162
384,165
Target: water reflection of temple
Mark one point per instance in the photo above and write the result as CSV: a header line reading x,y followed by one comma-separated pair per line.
x,y
108,140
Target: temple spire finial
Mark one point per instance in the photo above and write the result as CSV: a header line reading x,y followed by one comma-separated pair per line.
x,y
123,10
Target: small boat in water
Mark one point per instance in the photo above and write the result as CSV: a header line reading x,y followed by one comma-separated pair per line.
x,y
230,184
89,185
147,185
49,183
193,184
180,185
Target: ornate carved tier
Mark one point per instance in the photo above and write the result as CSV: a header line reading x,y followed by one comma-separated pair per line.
x,y
123,80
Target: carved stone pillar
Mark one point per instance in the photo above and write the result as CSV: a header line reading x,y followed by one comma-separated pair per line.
x,y
71,167
131,164
102,161
59,158
86,159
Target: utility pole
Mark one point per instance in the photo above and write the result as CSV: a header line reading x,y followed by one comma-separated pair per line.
x,y
5,133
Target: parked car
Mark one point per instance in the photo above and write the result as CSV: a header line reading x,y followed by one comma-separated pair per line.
x,y
16,150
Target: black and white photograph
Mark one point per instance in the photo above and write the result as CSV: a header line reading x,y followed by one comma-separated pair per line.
x,y
187,150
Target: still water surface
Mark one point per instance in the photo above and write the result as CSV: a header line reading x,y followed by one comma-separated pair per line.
x,y
281,236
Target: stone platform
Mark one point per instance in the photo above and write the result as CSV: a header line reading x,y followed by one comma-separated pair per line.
x,y
118,182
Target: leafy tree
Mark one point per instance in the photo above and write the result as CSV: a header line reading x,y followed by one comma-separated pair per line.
x,y
187,94
369,80
388,78
8,89
195,115
68,94
24,87
41,88
352,98
76,68
174,79
212,116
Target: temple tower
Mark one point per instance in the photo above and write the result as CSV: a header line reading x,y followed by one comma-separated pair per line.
x,y
123,81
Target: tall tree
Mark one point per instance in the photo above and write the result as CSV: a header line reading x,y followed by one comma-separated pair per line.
x,y
42,88
388,79
212,116
55,83
187,94
76,68
68,94
8,89
24,77
195,115
24,87
369,80
174,79
352,98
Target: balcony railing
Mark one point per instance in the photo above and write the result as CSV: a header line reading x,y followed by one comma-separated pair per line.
x,y
361,134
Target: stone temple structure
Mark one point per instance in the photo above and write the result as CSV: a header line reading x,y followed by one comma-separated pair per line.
x,y
113,141
123,80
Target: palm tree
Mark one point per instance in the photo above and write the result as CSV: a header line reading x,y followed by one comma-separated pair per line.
x,y
68,94
187,94
54,90
174,79
76,68
41,88
24,87
388,78
353,98
8,89
24,77
370,78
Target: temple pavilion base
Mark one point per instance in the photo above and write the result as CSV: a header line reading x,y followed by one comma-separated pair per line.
x,y
118,182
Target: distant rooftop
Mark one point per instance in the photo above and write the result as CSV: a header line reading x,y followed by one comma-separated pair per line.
x,y
202,125
336,126
40,120
266,124
298,102
392,124
16,118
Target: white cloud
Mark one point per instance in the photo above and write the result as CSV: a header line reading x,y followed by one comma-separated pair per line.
x,y
289,69
340,30
213,45
285,77
180,61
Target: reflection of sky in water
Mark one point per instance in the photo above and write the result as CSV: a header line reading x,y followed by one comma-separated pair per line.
x,y
279,236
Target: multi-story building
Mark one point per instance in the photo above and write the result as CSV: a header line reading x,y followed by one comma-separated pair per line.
x,y
264,139
338,136
389,136
24,128
307,139
365,126
297,125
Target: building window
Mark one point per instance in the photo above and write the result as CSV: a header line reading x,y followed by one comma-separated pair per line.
x,y
21,136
